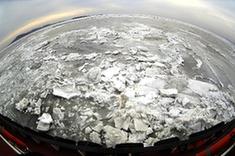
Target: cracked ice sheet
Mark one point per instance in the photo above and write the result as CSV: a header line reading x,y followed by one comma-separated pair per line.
x,y
113,84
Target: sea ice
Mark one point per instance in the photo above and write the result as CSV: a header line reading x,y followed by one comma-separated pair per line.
x,y
22,105
94,74
44,122
114,136
140,125
169,92
153,83
66,92
200,87
116,83
109,73
58,114
95,137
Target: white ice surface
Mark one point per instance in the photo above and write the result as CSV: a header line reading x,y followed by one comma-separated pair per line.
x,y
115,84
44,122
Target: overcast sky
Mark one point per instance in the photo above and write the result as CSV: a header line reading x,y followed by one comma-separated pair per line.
x,y
18,16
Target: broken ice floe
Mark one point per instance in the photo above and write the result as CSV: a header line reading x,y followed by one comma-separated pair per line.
x,y
201,88
116,84
199,63
44,122
140,125
94,74
169,92
58,114
22,104
66,92
95,137
114,136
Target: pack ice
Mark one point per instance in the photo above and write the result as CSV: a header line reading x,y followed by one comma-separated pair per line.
x,y
118,79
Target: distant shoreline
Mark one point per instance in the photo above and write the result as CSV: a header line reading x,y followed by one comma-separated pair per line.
x,y
84,16
39,28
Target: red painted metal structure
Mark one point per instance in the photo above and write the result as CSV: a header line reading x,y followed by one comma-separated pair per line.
x,y
17,140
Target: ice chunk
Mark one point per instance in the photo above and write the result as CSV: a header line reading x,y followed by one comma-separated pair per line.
x,y
185,101
187,45
132,77
108,52
91,56
119,85
44,122
114,136
95,137
99,96
37,109
98,127
188,101
66,92
140,125
169,92
70,114
81,68
150,141
118,121
94,74
136,137
73,57
58,114
22,105
149,131
44,94
196,126
199,63
122,122
149,72
147,99
179,82
126,123
116,52
119,45
129,92
144,59
109,73
158,64
174,112
145,90
152,82
122,100
133,50
200,87
142,48
138,67
166,101
88,130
